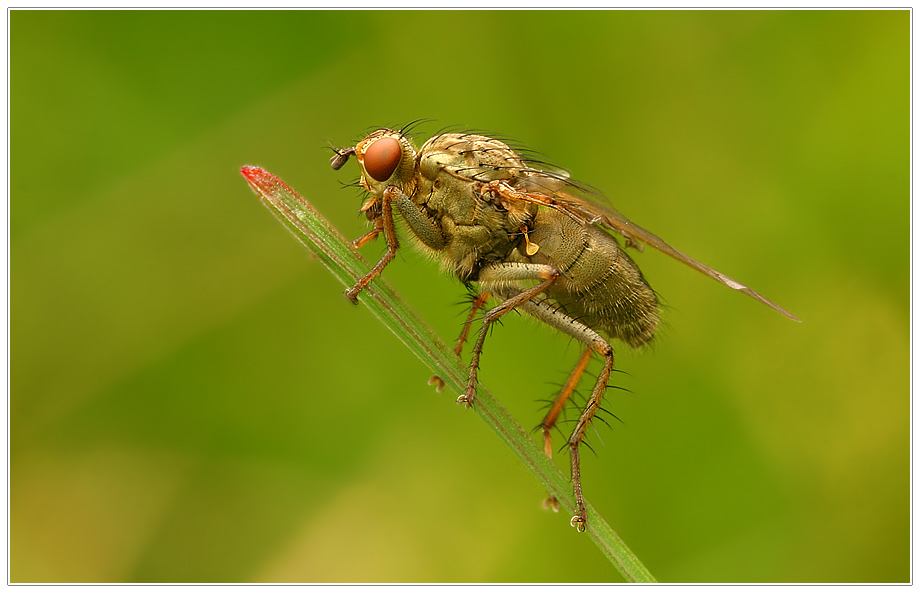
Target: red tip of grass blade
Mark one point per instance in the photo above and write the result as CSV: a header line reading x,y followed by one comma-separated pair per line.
x,y
263,182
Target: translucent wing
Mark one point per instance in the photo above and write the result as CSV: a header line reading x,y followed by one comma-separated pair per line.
x,y
555,191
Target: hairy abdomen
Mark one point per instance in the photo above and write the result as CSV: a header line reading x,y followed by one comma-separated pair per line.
x,y
600,286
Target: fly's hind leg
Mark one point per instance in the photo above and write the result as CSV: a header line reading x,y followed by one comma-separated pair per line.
x,y
509,277
596,343
549,421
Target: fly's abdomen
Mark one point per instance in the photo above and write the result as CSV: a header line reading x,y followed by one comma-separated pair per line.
x,y
601,286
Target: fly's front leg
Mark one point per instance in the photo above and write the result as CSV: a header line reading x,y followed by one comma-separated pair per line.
x,y
505,274
389,233
596,343
418,222
370,235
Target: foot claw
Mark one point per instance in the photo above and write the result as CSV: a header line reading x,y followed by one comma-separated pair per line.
x,y
579,523
465,400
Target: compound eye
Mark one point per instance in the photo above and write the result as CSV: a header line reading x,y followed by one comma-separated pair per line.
x,y
382,157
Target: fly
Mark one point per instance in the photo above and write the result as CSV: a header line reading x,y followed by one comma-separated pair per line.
x,y
526,237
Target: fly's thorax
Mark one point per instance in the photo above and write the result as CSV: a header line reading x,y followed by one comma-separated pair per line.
x,y
386,158
476,229
470,156
453,169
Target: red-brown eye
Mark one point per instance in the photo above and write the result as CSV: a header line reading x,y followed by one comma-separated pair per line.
x,y
382,157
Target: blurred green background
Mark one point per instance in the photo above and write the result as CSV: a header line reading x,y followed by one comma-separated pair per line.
x,y
193,400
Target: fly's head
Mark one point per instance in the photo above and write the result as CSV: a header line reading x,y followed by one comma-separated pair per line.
x,y
386,158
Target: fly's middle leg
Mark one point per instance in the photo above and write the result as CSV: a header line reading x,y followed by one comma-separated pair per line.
x,y
479,301
505,274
